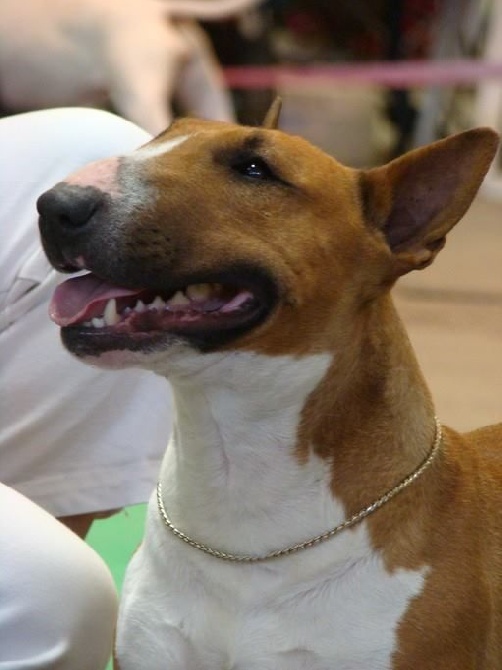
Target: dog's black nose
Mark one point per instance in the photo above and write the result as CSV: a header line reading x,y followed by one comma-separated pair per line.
x,y
69,206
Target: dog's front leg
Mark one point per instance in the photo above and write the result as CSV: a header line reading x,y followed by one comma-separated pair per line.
x,y
144,649
297,659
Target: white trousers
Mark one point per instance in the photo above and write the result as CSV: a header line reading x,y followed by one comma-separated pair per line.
x,y
57,598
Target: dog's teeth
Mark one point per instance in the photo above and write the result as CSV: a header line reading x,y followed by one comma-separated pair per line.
x,y
199,291
178,299
110,315
158,303
139,306
97,322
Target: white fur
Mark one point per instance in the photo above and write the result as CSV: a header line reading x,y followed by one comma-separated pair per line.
x,y
159,149
231,480
103,174
136,53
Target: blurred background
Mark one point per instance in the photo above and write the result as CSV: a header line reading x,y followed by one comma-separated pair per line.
x,y
363,79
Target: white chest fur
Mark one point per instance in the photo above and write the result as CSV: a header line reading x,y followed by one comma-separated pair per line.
x,y
240,489
186,611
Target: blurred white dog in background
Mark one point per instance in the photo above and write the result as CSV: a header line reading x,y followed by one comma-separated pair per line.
x,y
137,55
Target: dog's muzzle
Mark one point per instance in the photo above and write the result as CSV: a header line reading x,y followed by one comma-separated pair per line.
x,y
125,302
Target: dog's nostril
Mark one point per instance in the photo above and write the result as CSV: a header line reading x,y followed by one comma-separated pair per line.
x,y
70,206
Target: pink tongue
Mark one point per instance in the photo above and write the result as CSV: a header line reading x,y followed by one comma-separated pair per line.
x,y
81,298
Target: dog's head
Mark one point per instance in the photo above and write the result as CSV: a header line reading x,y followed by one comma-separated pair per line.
x,y
215,236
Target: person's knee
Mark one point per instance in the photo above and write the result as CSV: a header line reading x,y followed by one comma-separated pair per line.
x,y
70,137
57,599
95,131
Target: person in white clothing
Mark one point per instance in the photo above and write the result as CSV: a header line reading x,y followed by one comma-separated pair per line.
x,y
76,441
58,603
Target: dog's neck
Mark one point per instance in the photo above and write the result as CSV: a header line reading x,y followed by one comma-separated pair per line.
x,y
267,451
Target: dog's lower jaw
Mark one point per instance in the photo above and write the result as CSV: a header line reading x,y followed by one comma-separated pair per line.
x,y
172,360
116,353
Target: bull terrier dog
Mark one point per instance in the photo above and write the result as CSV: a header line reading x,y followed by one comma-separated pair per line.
x,y
311,512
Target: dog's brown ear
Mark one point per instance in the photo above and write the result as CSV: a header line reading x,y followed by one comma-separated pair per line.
x,y
416,199
271,119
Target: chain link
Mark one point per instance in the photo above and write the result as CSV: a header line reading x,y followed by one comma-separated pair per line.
x,y
348,523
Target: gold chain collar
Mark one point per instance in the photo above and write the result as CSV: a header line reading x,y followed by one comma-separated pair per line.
x,y
348,523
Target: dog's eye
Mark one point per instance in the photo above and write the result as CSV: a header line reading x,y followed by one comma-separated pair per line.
x,y
255,168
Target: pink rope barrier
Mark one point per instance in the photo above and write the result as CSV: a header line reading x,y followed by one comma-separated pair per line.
x,y
392,74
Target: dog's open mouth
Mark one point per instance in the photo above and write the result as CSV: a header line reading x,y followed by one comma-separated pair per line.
x,y
94,307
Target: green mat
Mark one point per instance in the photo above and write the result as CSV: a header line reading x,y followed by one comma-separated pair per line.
x,y
116,539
